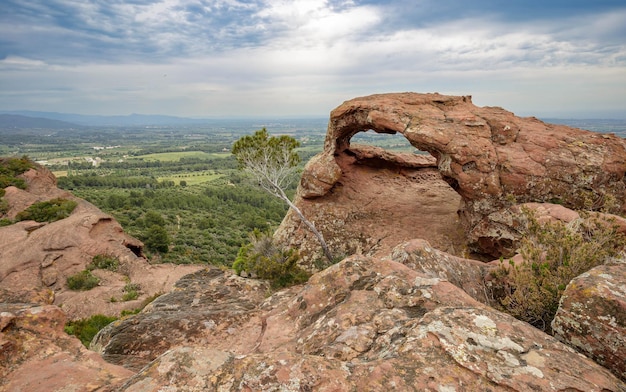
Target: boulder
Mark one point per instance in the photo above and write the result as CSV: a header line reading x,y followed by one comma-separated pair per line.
x,y
498,233
466,274
490,157
592,316
363,324
204,308
37,355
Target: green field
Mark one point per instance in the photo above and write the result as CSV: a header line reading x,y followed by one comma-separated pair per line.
x,y
177,155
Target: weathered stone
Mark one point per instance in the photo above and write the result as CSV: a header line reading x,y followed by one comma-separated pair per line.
x,y
498,233
488,155
466,274
204,308
592,316
37,356
382,199
373,325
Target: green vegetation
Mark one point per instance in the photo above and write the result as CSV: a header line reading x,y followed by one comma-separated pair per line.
x,y
48,211
86,329
82,281
105,262
273,162
10,168
131,292
263,258
554,253
187,175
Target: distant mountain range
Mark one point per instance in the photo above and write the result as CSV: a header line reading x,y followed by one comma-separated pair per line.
x,y
16,121
25,119
22,118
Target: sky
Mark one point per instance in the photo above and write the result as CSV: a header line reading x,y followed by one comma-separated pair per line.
x,y
230,58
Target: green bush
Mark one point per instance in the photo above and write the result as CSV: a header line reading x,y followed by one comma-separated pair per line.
x,y
10,168
85,329
554,253
131,292
82,281
157,239
48,211
106,262
269,261
4,205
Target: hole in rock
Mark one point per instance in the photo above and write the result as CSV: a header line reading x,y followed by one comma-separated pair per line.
x,y
391,142
393,192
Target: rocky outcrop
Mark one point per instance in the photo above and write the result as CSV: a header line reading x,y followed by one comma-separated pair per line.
x,y
381,200
466,274
490,157
36,355
363,324
37,258
204,308
592,316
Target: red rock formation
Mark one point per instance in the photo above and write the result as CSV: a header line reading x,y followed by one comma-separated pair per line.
x,y
36,258
363,324
380,200
592,316
488,155
36,355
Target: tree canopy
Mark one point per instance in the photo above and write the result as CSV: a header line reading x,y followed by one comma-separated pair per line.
x,y
273,161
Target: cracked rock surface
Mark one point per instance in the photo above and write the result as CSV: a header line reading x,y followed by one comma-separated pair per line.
x,y
362,324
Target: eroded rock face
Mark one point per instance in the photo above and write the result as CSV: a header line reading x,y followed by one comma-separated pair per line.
x,y
488,155
204,308
37,356
381,199
592,316
362,324
36,258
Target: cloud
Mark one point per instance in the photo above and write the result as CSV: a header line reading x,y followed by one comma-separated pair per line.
x,y
304,56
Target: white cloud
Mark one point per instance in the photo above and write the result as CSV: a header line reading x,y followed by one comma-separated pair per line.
x,y
202,57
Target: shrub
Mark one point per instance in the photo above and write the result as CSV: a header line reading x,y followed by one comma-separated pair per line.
x,y
4,205
10,168
82,281
554,253
268,261
157,239
85,329
48,211
131,292
106,262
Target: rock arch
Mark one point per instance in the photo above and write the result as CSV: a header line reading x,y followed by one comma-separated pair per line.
x,y
491,157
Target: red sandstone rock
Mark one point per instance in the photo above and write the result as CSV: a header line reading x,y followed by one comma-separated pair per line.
x,y
364,324
592,316
382,199
37,356
466,274
488,155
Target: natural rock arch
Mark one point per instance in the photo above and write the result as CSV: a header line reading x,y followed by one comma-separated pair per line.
x,y
491,157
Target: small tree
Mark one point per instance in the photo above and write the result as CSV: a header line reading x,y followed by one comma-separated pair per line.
x,y
273,162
